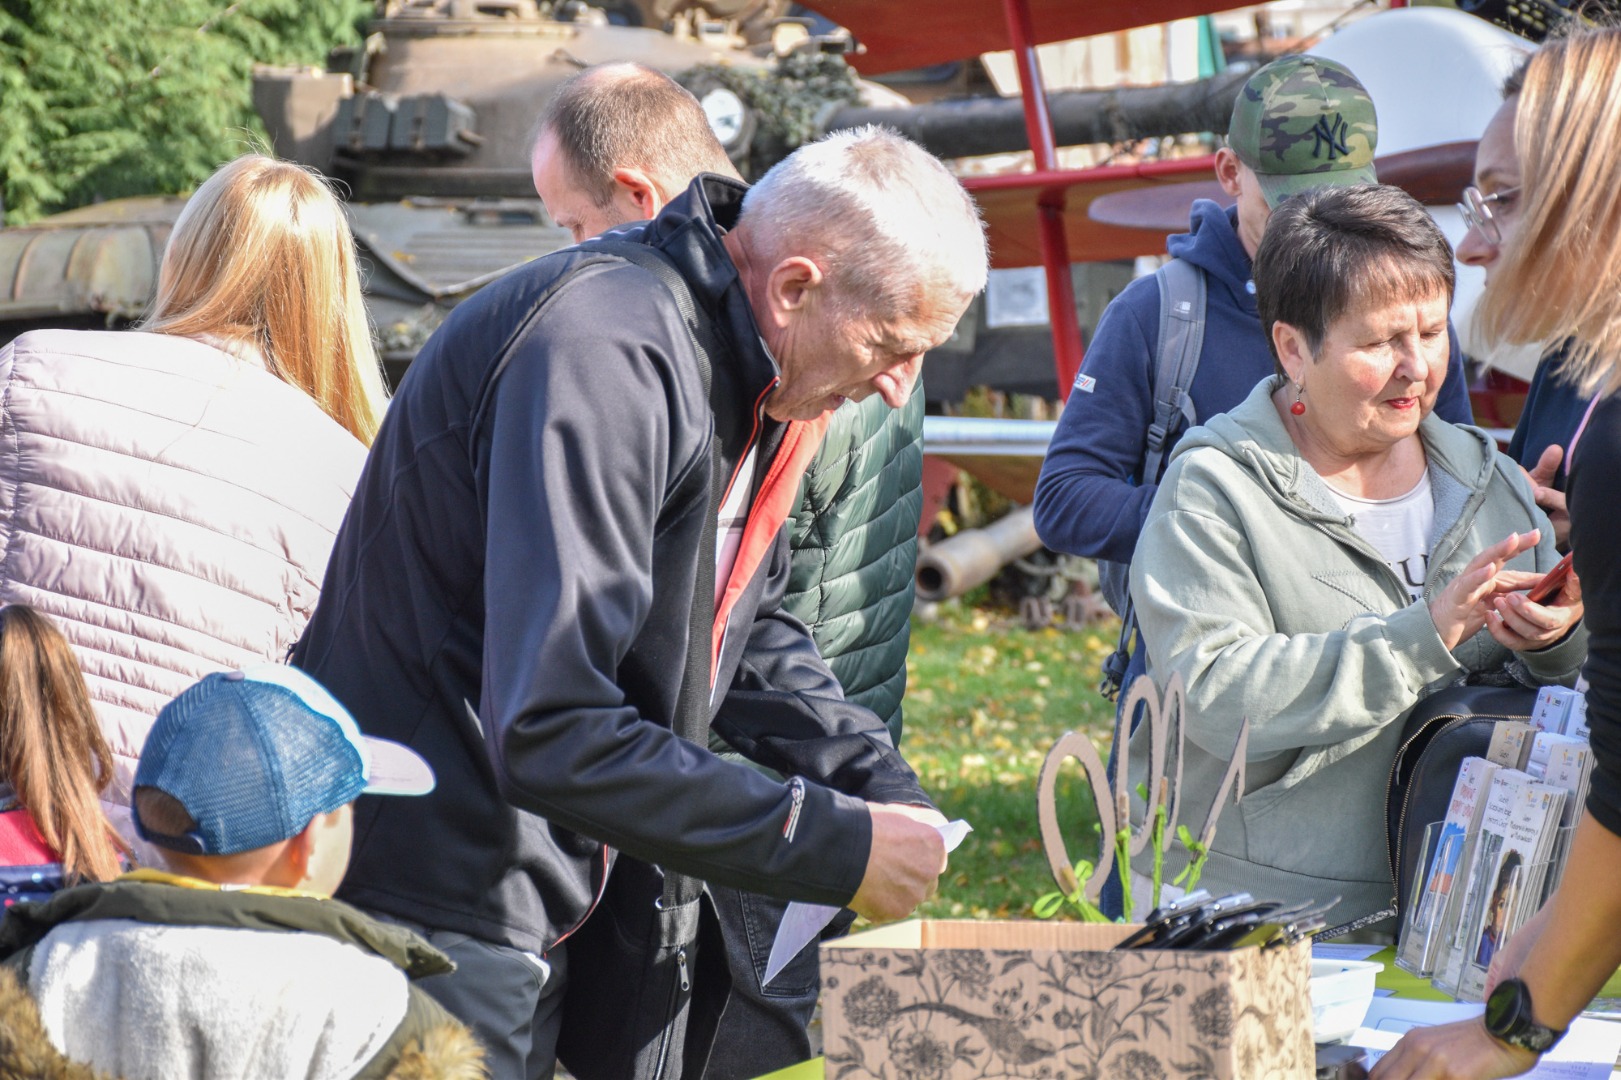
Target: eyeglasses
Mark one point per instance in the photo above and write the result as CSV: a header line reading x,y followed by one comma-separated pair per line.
x,y
1477,211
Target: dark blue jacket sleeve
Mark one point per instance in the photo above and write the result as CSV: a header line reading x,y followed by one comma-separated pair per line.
x,y
1090,499
593,424
1452,403
786,711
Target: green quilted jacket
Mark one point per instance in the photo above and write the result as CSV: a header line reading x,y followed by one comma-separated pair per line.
x,y
855,549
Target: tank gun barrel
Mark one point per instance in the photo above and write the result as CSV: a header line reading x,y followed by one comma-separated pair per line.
x,y
973,126
972,557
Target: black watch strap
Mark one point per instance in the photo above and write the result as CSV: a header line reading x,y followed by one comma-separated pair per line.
x,y
1509,1017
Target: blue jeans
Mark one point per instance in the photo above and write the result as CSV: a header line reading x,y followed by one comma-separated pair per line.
x,y
764,1028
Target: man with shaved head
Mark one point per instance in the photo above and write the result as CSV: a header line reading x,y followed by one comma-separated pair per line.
x,y
853,535
512,591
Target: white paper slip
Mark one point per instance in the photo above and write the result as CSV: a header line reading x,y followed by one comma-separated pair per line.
x,y
801,923
1587,1052
1343,952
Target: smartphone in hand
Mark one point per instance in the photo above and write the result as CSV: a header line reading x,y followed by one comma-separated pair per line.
x,y
1550,583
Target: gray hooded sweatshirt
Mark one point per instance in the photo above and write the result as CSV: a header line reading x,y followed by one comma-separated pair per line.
x,y
1252,583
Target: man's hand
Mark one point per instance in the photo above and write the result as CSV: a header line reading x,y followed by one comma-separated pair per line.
x,y
926,814
904,863
1551,499
1460,1051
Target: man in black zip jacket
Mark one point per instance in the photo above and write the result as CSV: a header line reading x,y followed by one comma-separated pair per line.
x,y
510,593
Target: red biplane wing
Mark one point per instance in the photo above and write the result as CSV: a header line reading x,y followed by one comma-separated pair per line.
x,y
897,35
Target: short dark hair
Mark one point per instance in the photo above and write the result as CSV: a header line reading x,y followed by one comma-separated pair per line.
x,y
626,115
1330,249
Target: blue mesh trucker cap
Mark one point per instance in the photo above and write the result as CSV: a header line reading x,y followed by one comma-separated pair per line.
x,y
255,755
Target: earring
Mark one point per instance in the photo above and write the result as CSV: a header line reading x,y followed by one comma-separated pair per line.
x,y
1299,407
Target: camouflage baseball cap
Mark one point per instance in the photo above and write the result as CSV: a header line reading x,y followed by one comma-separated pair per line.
x,y
1301,122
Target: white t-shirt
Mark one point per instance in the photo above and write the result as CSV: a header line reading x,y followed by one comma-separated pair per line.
x,y
733,517
1398,529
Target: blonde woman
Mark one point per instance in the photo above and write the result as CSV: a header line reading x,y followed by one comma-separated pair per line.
x,y
1558,276
169,496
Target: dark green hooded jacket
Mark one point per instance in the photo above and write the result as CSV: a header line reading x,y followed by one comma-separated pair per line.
x,y
854,540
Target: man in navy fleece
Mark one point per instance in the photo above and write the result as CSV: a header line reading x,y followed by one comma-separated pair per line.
x,y
1298,123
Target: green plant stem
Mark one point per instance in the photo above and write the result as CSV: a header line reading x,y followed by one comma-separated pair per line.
x,y
1122,858
1156,840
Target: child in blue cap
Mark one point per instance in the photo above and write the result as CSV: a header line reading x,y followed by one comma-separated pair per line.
x,y
236,961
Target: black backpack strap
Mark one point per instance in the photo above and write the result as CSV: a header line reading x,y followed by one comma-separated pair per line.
x,y
1182,302
691,720
1183,299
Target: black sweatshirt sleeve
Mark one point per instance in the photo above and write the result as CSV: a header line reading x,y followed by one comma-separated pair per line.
x,y
1595,537
786,711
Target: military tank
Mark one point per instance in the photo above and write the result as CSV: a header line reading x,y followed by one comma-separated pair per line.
x,y
427,126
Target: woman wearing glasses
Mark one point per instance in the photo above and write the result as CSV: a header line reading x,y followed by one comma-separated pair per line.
x,y
1558,278
1555,405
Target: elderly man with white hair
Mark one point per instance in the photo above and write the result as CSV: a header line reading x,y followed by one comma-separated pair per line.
x,y
512,592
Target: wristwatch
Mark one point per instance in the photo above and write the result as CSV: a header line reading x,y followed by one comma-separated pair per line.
x,y
1508,1018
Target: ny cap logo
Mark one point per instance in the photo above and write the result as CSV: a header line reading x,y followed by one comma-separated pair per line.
x,y
1333,133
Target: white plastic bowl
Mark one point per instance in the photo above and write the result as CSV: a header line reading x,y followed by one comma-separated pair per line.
x,y
1341,991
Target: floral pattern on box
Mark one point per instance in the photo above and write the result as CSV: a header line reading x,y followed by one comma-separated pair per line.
x,y
934,1014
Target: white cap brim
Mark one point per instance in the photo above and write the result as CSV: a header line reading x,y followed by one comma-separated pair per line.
x,y
395,769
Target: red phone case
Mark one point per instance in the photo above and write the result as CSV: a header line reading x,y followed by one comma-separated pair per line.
x,y
1550,583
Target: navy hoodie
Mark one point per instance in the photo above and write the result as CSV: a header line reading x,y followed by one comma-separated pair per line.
x,y
1553,411
1092,498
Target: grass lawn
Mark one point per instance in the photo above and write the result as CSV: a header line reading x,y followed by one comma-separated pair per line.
x,y
985,701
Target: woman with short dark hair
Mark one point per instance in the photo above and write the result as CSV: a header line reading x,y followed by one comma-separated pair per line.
x,y
1322,557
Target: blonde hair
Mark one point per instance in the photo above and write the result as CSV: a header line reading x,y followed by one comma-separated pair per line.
x,y
1560,276
51,748
262,254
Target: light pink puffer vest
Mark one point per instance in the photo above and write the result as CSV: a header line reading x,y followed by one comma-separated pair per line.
x,y
171,506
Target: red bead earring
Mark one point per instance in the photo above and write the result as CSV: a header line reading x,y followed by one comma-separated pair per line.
x,y
1299,407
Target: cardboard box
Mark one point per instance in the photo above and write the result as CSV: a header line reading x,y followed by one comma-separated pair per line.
x,y
953,1000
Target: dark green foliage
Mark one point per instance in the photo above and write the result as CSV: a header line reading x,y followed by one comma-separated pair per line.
x,y
788,100
105,98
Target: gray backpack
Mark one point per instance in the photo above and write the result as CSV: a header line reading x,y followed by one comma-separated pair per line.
x,y
1181,336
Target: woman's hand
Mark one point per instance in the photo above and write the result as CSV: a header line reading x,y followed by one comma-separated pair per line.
x,y
1548,497
1461,609
1523,626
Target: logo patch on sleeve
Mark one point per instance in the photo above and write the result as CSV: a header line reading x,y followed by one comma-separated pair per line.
x,y
1085,383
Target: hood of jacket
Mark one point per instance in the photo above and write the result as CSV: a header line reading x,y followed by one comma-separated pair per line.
x,y
1211,243
1253,435
158,975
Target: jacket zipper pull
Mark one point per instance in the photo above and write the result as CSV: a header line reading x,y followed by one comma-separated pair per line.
x,y
681,968
796,795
